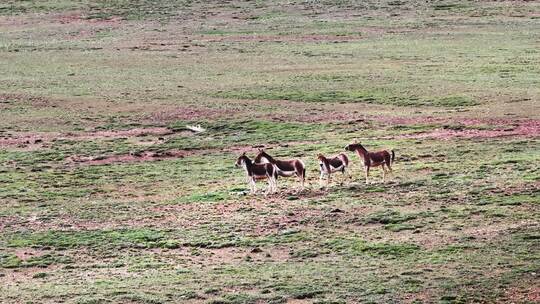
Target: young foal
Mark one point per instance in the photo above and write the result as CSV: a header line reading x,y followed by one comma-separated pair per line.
x,y
285,168
373,159
331,165
258,171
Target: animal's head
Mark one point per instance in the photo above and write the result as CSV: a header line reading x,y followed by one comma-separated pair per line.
x,y
354,146
320,156
262,154
242,159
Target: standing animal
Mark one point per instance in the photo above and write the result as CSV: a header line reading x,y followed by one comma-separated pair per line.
x,y
331,165
285,168
258,171
373,159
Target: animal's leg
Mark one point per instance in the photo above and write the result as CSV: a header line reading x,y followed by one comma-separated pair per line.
x,y
303,178
383,174
270,186
270,181
344,175
367,174
253,186
347,174
328,179
301,181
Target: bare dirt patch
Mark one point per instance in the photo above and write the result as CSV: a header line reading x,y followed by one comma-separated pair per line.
x,y
184,113
19,276
491,231
320,115
78,17
280,38
530,294
526,188
23,99
231,255
26,253
419,297
23,139
121,133
132,157
145,156
523,129
297,217
298,301
464,121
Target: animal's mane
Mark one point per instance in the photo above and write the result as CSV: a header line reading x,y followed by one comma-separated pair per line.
x,y
247,160
263,154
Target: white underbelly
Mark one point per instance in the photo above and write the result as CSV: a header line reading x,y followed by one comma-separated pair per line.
x,y
336,169
286,173
332,169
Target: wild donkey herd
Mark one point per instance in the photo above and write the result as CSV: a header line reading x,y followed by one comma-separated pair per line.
x,y
266,167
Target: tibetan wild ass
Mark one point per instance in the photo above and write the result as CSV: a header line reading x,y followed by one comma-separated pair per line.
x,y
373,159
258,171
285,168
331,165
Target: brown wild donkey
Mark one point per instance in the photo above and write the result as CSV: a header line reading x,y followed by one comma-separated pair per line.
x,y
258,171
373,159
285,168
331,165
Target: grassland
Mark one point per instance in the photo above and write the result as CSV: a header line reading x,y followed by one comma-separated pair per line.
x,y
106,197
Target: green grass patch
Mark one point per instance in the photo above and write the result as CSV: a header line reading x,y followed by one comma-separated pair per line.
x,y
360,247
348,96
12,261
95,238
389,217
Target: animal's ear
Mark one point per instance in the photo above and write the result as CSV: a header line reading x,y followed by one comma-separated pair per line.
x,y
244,153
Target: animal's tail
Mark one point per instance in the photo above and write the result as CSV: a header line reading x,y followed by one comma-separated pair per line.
x,y
304,174
393,156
